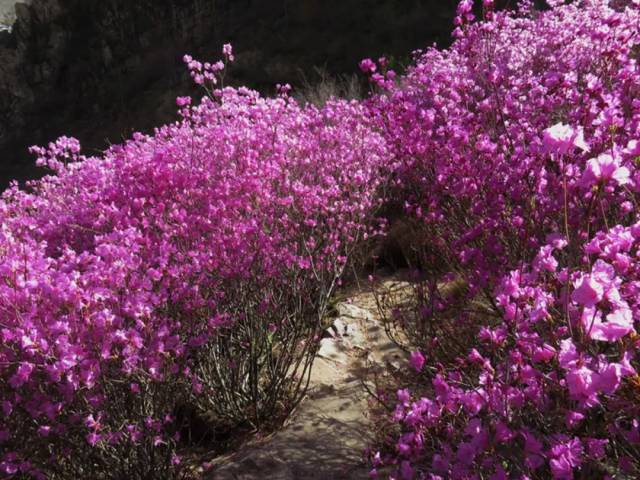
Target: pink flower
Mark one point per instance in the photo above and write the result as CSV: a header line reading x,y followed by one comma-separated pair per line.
x,y
581,383
464,7
544,353
183,101
556,240
417,361
588,292
227,51
565,457
608,379
93,438
604,168
22,375
619,323
367,65
545,260
604,274
562,139
633,148
568,356
473,401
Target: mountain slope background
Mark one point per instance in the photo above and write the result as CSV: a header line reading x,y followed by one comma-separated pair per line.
x,y
101,69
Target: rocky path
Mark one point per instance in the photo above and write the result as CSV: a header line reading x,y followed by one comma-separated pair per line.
x,y
326,436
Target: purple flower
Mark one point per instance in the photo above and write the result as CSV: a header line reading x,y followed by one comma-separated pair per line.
x,y
367,66
563,139
596,447
588,292
619,324
93,438
403,396
417,361
22,374
227,51
572,419
183,101
406,470
604,168
565,456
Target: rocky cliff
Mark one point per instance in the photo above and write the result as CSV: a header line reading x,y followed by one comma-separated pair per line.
x,y
98,69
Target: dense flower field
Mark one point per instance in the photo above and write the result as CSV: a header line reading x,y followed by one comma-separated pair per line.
x,y
191,268
519,151
185,268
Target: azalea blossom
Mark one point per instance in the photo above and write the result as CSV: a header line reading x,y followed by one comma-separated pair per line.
x,y
605,168
562,139
588,291
417,361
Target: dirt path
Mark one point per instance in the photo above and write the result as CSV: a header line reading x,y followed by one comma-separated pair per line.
x,y
326,436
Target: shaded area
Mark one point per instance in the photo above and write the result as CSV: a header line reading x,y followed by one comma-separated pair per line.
x,y
325,440
100,69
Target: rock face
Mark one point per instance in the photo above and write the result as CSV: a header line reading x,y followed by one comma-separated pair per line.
x,y
80,66
7,14
98,69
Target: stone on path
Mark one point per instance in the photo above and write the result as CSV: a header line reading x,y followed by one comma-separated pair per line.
x,y
334,350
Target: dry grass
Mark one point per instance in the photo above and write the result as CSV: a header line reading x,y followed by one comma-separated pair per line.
x,y
325,86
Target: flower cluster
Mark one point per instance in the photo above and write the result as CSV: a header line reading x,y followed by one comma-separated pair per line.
x,y
118,272
188,268
518,151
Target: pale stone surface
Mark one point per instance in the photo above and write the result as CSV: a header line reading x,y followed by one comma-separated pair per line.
x,y
333,349
347,330
355,335
7,11
325,440
353,311
255,466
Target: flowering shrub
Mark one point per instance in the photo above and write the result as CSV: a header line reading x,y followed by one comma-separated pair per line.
x,y
518,151
189,267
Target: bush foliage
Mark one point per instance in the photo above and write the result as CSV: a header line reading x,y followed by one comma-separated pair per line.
x,y
191,268
186,268
518,150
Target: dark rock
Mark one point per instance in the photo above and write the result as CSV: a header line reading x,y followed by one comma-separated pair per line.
x,y
100,69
